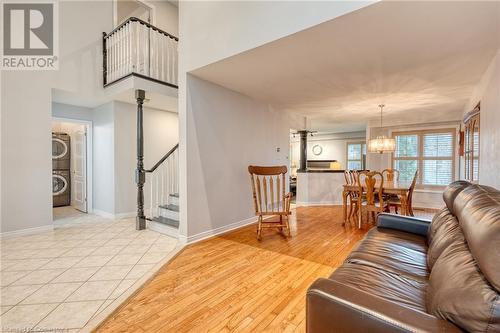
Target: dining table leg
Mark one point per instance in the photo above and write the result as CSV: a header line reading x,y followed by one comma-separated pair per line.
x,y
404,204
360,209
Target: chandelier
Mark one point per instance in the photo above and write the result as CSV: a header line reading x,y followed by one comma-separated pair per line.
x,y
381,144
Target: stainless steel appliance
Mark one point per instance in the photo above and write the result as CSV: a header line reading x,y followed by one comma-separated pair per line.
x,y
60,151
61,188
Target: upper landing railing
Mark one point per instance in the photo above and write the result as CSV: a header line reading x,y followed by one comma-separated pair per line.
x,y
137,48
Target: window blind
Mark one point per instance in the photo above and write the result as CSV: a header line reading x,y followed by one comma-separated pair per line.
x,y
430,152
355,154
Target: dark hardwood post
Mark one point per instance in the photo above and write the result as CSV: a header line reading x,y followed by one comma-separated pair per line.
x,y
140,175
303,150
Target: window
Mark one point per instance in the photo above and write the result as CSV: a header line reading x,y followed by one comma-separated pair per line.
x,y
356,155
430,152
471,145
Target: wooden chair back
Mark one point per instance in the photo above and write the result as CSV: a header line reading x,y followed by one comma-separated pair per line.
x,y
410,193
268,186
373,181
349,177
391,174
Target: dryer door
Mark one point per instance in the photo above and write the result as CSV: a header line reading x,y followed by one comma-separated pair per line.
x,y
59,185
59,148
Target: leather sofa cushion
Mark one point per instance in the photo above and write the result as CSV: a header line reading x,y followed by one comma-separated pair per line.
x,y
391,287
438,219
478,212
394,251
458,292
443,229
451,192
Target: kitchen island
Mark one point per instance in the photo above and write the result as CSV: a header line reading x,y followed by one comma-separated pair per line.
x,y
319,187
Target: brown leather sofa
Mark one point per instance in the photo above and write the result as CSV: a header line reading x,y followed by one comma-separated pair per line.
x,y
412,275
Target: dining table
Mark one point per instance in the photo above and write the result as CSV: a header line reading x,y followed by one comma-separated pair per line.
x,y
398,187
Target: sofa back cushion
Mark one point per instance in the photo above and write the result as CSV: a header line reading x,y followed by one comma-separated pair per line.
x,y
478,211
442,230
458,292
452,191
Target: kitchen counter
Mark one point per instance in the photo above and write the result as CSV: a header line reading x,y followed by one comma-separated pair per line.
x,y
320,187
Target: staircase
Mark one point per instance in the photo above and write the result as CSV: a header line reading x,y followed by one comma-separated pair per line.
x,y
163,199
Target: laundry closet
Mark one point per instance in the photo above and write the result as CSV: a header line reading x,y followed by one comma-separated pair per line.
x,y
69,183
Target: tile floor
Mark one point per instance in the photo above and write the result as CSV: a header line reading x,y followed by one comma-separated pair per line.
x,y
62,279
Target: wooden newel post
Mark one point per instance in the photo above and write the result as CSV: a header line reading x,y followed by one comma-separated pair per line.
x,y
140,175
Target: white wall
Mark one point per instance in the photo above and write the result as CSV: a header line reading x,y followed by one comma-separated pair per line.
x,y
488,93
334,146
103,159
60,110
26,152
226,132
26,113
167,16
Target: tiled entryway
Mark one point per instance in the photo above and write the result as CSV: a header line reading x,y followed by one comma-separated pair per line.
x,y
61,280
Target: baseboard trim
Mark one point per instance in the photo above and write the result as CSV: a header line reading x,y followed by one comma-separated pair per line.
x,y
163,229
24,232
217,231
113,216
103,214
125,215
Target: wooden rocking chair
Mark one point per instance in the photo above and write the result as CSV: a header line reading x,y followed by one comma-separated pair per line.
x,y
268,186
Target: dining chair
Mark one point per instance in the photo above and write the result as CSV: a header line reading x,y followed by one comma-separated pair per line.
x,y
350,177
390,174
269,197
396,202
375,203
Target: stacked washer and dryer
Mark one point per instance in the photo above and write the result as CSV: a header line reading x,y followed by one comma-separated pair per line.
x,y
61,182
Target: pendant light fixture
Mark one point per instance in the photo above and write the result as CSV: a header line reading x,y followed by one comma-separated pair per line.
x,y
381,144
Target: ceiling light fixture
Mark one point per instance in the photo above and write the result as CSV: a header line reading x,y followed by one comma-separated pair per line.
x,y
381,144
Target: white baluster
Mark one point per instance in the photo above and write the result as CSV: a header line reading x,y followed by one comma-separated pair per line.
x,y
119,46
127,48
123,50
157,202
162,187
176,57
151,212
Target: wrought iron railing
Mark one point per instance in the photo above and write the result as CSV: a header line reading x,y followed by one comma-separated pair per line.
x,y
137,48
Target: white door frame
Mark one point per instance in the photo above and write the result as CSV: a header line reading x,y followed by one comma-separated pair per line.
x,y
88,129
145,3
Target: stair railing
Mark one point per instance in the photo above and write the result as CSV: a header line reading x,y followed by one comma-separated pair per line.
x,y
164,181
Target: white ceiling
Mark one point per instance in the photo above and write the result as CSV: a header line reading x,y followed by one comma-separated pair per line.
x,y
422,59
157,96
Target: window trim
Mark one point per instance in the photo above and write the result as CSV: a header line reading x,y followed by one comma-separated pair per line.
x,y
363,163
471,119
420,158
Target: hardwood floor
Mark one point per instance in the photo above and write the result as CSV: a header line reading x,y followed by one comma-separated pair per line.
x,y
235,283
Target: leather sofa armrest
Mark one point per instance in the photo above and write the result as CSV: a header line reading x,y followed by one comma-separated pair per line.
x,y
409,224
335,307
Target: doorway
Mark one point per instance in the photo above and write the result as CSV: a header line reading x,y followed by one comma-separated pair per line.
x,y
71,169
125,9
